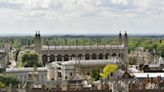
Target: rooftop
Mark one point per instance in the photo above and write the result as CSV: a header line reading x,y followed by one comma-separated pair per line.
x,y
91,62
82,47
151,75
25,69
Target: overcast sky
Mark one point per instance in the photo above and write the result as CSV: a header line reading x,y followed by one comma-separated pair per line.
x,y
81,16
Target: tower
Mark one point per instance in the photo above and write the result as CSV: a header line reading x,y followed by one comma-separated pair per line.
x,y
125,59
7,46
7,54
120,38
37,42
126,39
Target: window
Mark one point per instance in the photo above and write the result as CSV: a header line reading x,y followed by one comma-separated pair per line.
x,y
42,76
70,73
59,75
25,77
20,77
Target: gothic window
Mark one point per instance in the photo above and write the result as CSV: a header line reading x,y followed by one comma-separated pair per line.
x,y
66,57
73,56
94,56
107,56
25,77
52,58
120,55
100,56
42,77
87,56
45,59
71,74
59,57
114,55
80,56
59,75
66,77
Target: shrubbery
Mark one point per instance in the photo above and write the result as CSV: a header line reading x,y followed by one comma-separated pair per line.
x,y
30,58
6,80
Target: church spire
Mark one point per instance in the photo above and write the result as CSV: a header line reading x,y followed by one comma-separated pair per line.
x,y
120,38
126,39
36,34
37,42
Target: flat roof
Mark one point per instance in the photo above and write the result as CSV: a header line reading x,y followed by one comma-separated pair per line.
x,y
25,69
81,47
91,62
151,75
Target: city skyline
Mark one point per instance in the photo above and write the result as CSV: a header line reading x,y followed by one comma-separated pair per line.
x,y
81,16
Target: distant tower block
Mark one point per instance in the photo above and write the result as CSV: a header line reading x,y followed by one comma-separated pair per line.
x,y
37,40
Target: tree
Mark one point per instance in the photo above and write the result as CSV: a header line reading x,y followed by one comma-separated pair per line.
x,y
108,69
16,54
132,60
6,80
133,43
2,85
29,59
96,74
160,48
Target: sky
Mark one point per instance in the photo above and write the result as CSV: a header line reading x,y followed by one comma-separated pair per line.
x,y
81,16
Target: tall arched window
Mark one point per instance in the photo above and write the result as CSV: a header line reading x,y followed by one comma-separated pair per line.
x,y
94,56
101,56
59,57
114,55
73,56
52,58
107,56
87,56
44,59
80,56
120,55
66,57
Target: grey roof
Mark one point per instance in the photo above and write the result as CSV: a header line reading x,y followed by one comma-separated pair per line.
x,y
91,62
27,69
133,70
82,47
53,64
2,50
154,65
160,61
145,75
118,74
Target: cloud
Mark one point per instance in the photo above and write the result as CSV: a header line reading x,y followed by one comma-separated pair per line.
x,y
88,15
78,8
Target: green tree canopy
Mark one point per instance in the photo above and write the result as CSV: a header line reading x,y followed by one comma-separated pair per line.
x,y
96,74
29,59
160,48
108,69
2,85
8,80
